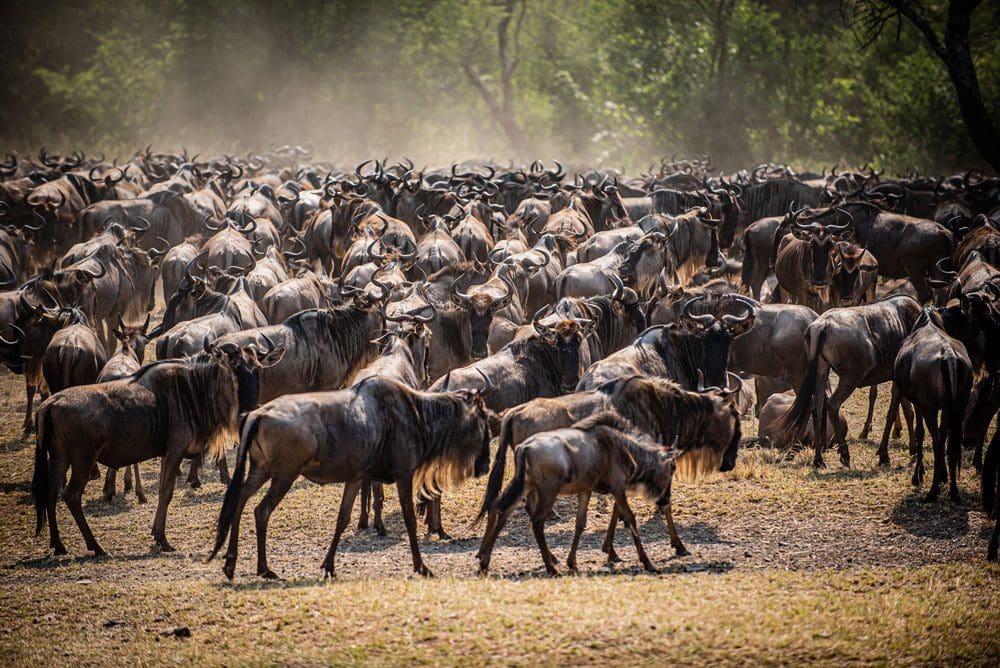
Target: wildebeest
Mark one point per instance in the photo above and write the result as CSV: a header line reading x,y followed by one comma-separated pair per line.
x,y
379,429
933,371
597,454
74,356
169,409
859,343
697,342
126,362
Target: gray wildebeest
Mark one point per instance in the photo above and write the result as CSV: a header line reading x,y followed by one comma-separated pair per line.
x,y
379,429
170,410
934,373
601,454
858,343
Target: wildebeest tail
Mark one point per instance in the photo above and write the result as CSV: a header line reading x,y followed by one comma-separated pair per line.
x,y
791,423
515,490
495,481
235,488
40,482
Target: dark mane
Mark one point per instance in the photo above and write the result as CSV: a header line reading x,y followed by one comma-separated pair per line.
x,y
198,394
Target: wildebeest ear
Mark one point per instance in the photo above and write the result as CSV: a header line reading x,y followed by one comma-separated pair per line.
x,y
272,357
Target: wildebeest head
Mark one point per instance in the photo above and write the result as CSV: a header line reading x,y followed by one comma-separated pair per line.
x,y
132,338
718,433
821,238
567,335
716,333
481,303
246,363
75,284
629,300
848,270
472,426
411,327
644,260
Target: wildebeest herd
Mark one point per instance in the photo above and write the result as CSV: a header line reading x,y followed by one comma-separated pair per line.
x,y
382,324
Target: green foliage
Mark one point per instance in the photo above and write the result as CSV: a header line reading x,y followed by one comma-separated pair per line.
x,y
620,82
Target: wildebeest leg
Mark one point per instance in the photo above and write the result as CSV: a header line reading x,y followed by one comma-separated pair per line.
x,y
254,481
978,422
223,469
57,476
405,488
582,500
819,414
193,478
78,478
366,495
538,509
29,390
434,525
907,409
629,518
952,434
872,398
918,450
883,448
350,493
109,484
837,400
170,464
378,494
280,484
138,483
940,468
675,539
494,525
608,546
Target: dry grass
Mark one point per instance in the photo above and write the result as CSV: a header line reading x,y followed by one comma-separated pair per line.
x,y
788,565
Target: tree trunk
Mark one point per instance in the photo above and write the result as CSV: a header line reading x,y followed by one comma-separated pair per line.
x,y
957,57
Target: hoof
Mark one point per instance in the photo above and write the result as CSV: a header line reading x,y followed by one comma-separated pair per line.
x,y
956,498
424,571
613,557
883,462
106,498
380,530
929,498
363,525
650,568
195,484
164,546
230,570
99,553
59,550
681,551
443,535
553,572
268,574
141,499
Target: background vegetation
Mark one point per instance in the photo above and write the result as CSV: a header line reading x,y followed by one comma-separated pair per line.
x,y
620,82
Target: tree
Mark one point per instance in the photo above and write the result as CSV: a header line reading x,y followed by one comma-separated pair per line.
x,y
509,53
871,17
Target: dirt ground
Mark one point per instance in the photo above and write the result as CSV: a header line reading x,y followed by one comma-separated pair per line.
x,y
788,565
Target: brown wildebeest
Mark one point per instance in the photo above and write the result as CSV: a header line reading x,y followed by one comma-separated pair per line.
x,y
127,361
379,429
600,454
774,409
706,423
933,371
404,358
169,409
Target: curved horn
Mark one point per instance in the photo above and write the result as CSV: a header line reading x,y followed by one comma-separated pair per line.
x,y
18,336
703,319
